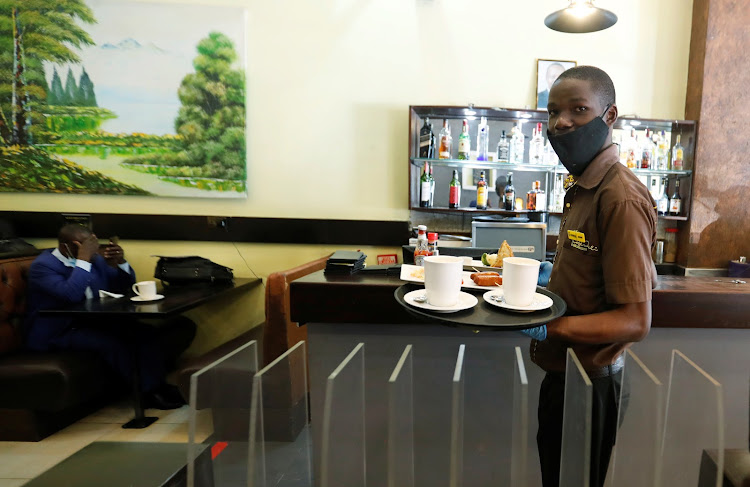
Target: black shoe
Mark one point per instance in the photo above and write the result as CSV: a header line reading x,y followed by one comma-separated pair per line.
x,y
164,397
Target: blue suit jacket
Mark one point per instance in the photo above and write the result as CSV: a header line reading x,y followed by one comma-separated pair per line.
x,y
52,284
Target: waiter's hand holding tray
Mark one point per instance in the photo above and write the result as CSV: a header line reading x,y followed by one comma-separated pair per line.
x,y
516,304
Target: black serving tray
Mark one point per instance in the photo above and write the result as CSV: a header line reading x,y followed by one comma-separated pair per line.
x,y
485,316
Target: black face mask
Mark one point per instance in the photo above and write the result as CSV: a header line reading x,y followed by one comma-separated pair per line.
x,y
578,148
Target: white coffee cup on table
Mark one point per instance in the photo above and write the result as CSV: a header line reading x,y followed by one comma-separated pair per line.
x,y
520,276
442,279
145,289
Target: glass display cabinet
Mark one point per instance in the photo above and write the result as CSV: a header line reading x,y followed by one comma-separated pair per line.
x,y
491,142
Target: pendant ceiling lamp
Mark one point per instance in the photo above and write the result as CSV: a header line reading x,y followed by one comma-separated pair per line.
x,y
579,17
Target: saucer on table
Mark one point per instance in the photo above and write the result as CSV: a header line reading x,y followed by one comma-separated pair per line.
x,y
140,299
539,302
465,301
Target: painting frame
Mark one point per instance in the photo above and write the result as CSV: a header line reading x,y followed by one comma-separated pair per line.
x,y
467,177
542,78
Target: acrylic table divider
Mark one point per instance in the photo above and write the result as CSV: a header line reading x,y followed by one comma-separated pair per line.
x,y
280,437
575,456
401,422
520,438
220,397
694,423
343,445
636,458
457,421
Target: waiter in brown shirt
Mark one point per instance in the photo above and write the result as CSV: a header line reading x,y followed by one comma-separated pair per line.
x,y
602,267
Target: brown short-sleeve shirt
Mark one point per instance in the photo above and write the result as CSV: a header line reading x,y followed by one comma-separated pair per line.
x,y
603,256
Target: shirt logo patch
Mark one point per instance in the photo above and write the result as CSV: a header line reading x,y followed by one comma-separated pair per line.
x,y
585,246
576,236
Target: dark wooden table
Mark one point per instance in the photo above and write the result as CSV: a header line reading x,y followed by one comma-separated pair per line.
x,y
177,300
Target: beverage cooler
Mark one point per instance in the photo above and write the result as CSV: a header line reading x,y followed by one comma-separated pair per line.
x,y
525,239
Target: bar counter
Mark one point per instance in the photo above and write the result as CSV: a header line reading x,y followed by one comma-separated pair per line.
x,y
678,301
706,318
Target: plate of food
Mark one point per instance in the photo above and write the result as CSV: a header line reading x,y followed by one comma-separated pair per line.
x,y
470,280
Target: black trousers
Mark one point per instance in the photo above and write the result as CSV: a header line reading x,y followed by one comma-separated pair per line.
x,y
605,394
125,344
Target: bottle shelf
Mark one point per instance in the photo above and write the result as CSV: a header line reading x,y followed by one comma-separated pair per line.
x,y
471,209
559,168
662,172
459,163
674,218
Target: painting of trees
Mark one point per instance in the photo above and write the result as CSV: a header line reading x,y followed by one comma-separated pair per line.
x,y
212,118
31,32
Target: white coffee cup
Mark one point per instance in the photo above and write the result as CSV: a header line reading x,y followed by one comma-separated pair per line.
x,y
442,279
520,276
145,289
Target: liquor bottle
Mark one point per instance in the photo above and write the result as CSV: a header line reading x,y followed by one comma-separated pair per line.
x,y
509,194
421,249
424,187
446,141
632,145
483,140
662,204
516,145
482,194
432,189
426,141
647,151
550,156
675,202
454,198
654,189
536,146
662,152
558,198
503,149
536,199
677,154
464,142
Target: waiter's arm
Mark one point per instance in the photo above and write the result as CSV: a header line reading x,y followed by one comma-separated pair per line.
x,y
625,323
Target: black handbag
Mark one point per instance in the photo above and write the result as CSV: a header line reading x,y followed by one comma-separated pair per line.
x,y
188,270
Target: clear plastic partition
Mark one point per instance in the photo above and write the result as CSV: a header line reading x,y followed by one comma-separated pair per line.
x,y
219,419
280,438
401,422
457,421
636,458
343,445
694,423
575,456
520,437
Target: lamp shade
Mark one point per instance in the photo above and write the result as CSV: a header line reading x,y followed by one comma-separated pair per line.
x,y
580,17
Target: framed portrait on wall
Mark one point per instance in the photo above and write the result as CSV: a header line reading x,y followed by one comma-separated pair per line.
x,y
470,176
547,71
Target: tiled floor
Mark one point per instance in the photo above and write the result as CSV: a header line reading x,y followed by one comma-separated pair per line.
x,y
20,461
287,464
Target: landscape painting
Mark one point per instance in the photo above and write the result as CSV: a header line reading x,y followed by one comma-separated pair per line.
x,y
122,97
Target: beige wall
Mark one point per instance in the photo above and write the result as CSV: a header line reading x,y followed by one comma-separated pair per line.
x,y
329,84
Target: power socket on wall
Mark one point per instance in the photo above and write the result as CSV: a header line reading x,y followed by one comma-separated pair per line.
x,y
218,222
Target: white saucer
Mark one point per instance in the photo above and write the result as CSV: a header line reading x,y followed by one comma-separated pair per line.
x,y
465,301
144,300
540,302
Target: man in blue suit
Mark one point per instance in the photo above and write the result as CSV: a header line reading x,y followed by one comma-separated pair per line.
x,y
77,270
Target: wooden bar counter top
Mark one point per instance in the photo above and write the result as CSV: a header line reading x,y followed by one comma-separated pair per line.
x,y
366,297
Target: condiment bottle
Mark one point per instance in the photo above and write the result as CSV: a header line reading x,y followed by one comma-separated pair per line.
x,y
432,245
421,250
670,252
